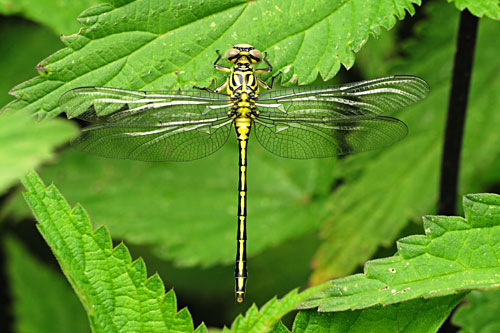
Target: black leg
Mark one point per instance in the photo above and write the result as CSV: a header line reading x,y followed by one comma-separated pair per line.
x,y
220,67
216,90
270,67
265,70
265,85
222,86
272,79
204,88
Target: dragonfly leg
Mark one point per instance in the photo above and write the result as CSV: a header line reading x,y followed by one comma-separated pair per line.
x,y
272,79
220,67
268,69
216,90
222,86
203,88
265,85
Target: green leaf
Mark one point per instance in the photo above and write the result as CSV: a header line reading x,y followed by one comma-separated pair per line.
x,y
113,289
419,316
25,144
455,254
384,190
480,313
154,45
57,15
480,8
267,317
42,299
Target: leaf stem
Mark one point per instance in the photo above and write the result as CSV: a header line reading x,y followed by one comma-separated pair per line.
x,y
455,121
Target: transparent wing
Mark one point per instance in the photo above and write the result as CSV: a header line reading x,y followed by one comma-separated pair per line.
x,y
311,138
149,126
366,98
93,104
174,141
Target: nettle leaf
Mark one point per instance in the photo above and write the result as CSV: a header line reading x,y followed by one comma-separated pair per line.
x,y
401,182
418,316
480,8
268,316
153,44
57,15
114,290
42,300
25,144
479,313
456,254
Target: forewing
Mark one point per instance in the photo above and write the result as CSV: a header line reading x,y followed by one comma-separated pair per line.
x,y
316,138
365,98
98,104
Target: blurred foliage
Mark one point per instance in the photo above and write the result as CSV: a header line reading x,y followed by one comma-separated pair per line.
x,y
361,202
36,286
23,45
479,314
60,16
38,141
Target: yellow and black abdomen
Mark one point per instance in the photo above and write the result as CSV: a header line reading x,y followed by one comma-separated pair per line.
x,y
242,126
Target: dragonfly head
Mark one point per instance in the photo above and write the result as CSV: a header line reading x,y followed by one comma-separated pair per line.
x,y
242,52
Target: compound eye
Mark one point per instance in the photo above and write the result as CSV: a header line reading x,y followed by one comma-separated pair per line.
x,y
256,56
231,54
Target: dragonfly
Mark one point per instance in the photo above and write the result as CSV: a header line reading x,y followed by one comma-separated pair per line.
x,y
297,122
